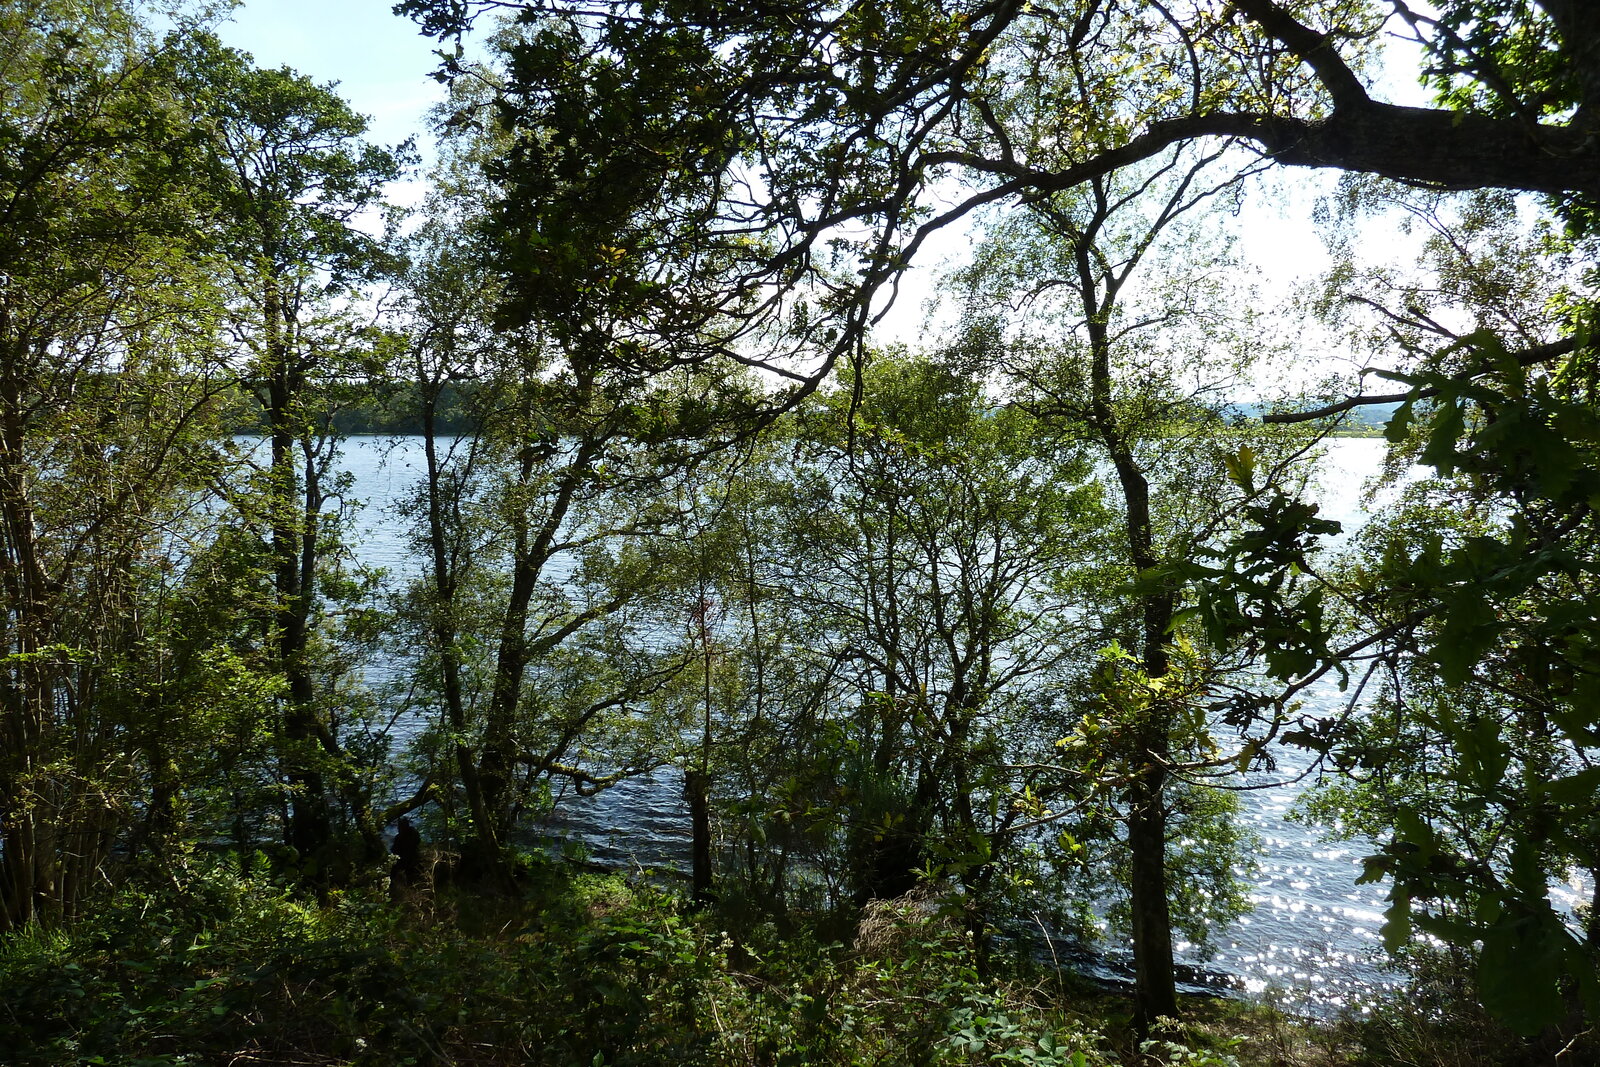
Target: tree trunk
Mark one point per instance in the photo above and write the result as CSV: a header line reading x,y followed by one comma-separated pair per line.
x,y
697,791
30,874
447,575
1155,986
293,549
1155,981
484,859
531,550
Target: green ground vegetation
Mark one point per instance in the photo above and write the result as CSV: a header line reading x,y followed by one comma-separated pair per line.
x,y
209,966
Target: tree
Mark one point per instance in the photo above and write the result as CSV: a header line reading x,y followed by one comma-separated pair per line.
x,y
539,529
445,302
852,141
1125,345
107,401
893,603
289,176
1475,765
549,526
608,173
598,397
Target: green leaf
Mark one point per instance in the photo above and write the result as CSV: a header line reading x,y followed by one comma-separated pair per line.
x,y
1397,922
1241,468
1448,425
1518,972
1400,422
1580,788
1470,627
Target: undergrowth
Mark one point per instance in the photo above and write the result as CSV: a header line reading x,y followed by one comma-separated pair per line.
x,y
579,968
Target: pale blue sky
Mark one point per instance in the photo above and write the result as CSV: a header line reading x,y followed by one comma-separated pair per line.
x,y
379,59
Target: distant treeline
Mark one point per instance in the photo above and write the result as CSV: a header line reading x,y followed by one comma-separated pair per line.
x,y
378,408
396,408
1366,421
1369,420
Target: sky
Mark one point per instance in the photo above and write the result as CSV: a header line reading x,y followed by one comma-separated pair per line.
x,y
379,60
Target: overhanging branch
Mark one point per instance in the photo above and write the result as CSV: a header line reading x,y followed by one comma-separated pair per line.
x,y
1530,357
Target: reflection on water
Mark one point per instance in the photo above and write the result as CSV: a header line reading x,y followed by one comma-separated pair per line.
x,y
1312,939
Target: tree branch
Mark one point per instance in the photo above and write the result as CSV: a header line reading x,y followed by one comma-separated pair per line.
x,y
1312,48
1527,358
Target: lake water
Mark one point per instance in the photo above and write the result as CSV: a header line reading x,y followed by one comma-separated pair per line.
x,y
1312,938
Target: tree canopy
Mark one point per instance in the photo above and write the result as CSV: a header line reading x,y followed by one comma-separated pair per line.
x,y
846,124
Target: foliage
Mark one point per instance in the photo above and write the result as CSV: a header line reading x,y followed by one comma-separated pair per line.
x,y
1462,610
584,970
286,175
896,627
1123,338
900,582
547,535
1436,1017
108,400
817,173
1497,667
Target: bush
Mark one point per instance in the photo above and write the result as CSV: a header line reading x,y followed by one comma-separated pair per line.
x,y
583,969
1436,1018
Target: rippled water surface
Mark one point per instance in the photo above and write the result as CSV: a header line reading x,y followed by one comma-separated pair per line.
x,y
1312,937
